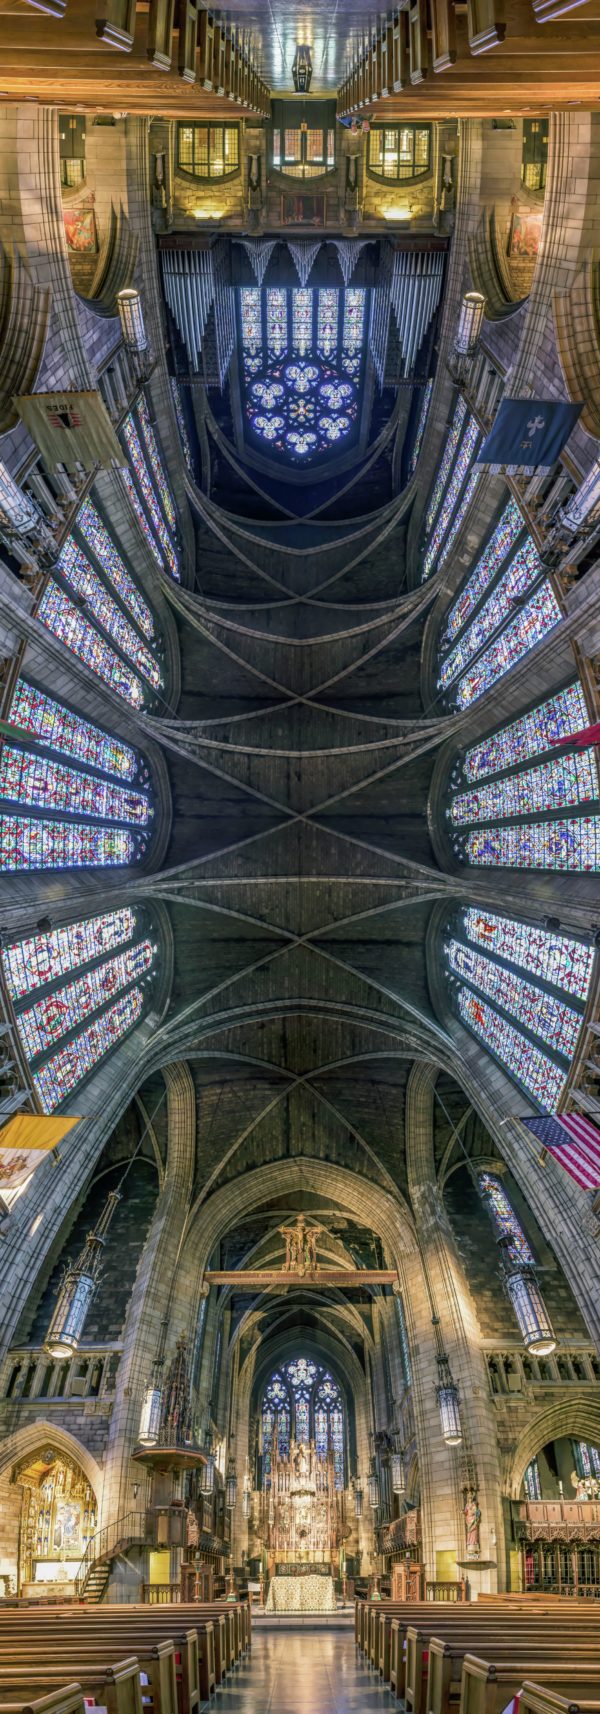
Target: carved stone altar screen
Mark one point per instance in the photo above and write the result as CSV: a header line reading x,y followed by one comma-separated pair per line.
x,y
302,1512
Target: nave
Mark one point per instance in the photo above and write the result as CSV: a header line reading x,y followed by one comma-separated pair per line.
x,y
305,1672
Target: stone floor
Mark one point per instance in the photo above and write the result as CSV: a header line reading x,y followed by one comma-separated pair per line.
x,y
307,1672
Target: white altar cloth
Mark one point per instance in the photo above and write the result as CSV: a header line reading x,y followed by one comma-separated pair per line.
x,y
312,1594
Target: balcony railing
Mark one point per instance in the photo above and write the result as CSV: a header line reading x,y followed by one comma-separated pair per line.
x,y
511,1371
29,1375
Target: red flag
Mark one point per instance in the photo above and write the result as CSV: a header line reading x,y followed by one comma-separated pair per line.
x,y
580,740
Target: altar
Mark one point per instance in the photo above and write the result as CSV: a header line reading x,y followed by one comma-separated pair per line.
x,y
301,1594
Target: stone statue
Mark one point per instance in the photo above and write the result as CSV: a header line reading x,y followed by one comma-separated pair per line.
x,y
300,1246
472,1516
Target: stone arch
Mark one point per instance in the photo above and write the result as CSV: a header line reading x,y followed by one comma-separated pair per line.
x,y
39,1432
574,1414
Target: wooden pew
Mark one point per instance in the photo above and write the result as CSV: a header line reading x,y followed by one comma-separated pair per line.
x,y
100,1630
67,1701
443,1662
116,1688
486,1687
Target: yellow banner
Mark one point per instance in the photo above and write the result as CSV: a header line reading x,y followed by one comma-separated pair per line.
x,y
25,1140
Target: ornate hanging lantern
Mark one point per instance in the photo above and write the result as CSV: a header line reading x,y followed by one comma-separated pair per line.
x,y
78,1287
152,1403
531,1313
246,1504
131,317
373,1486
447,1393
18,516
231,1485
207,1469
398,1473
470,322
358,1500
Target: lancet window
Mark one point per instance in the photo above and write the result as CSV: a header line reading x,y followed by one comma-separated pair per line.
x,y
421,424
502,611
97,610
518,812
55,814
469,447
522,991
302,1402
158,520
76,992
531,1481
504,1218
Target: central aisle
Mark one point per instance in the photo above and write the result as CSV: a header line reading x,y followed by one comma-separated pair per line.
x,y
304,1672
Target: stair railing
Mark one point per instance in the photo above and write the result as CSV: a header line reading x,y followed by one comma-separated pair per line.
x,y
102,1545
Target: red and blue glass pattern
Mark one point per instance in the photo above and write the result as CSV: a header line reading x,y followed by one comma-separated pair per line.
x,y
524,570
303,401
60,729
77,1058
537,618
446,465
505,1220
29,844
54,1015
42,783
79,574
500,543
559,784
303,1399
158,469
567,844
90,526
551,1019
562,961
468,448
140,468
459,518
542,1079
65,621
530,735
148,533
44,958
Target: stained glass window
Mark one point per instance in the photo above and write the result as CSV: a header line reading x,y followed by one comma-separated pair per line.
x,y
327,322
446,464
142,519
302,1398
542,1079
46,784
304,399
553,1020
43,958
166,497
562,961
89,524
77,1058
59,615
138,462
500,543
570,779
536,619
530,735
60,729
567,844
459,517
504,1218
79,574
587,1458
523,571
182,425
276,322
421,424
404,1347
531,1481
468,448
28,844
54,1015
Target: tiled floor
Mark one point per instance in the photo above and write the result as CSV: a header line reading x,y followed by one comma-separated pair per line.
x,y
305,1672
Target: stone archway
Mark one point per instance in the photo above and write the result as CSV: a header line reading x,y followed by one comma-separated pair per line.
x,y
50,1491
575,1414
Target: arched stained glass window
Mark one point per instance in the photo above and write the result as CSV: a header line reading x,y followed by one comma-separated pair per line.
x,y
522,990
139,460
447,461
182,425
502,788
421,424
166,497
469,447
47,786
89,525
80,576
501,612
504,1218
302,365
66,622
93,973
302,1402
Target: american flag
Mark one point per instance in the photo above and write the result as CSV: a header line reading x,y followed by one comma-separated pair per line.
x,y
574,1141
580,740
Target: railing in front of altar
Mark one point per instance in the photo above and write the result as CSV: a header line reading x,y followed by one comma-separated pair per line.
x,y
159,1594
